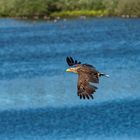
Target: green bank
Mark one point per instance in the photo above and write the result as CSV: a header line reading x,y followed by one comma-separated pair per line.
x,y
68,8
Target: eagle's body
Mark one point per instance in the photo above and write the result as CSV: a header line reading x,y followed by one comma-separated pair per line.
x,y
87,76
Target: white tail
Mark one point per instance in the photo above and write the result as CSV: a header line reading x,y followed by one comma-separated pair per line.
x,y
102,74
107,75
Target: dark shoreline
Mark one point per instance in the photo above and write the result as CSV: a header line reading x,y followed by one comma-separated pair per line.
x,y
66,18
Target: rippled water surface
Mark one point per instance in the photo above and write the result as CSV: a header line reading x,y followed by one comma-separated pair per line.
x,y
38,98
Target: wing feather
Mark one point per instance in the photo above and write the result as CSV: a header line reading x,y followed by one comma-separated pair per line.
x,y
71,61
85,89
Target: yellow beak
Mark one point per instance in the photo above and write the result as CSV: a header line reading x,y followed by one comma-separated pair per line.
x,y
71,70
68,70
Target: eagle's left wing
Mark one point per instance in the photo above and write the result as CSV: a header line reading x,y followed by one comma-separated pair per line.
x,y
71,61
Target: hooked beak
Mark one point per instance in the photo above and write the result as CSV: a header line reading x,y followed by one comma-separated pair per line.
x,y
71,70
68,70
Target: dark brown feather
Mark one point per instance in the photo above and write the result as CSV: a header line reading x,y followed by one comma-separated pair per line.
x,y
86,77
71,61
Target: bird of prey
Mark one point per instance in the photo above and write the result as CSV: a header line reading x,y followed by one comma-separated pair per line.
x,y
88,76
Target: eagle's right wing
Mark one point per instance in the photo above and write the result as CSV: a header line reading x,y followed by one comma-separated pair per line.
x,y
85,87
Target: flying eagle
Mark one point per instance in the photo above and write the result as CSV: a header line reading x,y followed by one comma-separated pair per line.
x,y
88,76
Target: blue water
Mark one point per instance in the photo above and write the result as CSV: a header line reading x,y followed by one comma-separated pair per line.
x,y
38,98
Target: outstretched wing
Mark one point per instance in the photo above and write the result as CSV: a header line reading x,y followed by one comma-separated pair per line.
x,y
71,61
85,87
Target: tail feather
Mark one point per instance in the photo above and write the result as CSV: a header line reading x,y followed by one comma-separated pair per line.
x,y
102,74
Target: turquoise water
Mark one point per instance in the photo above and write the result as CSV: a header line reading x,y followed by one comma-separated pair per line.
x,y
38,98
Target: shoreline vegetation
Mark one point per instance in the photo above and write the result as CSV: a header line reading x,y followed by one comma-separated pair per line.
x,y
56,9
80,13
